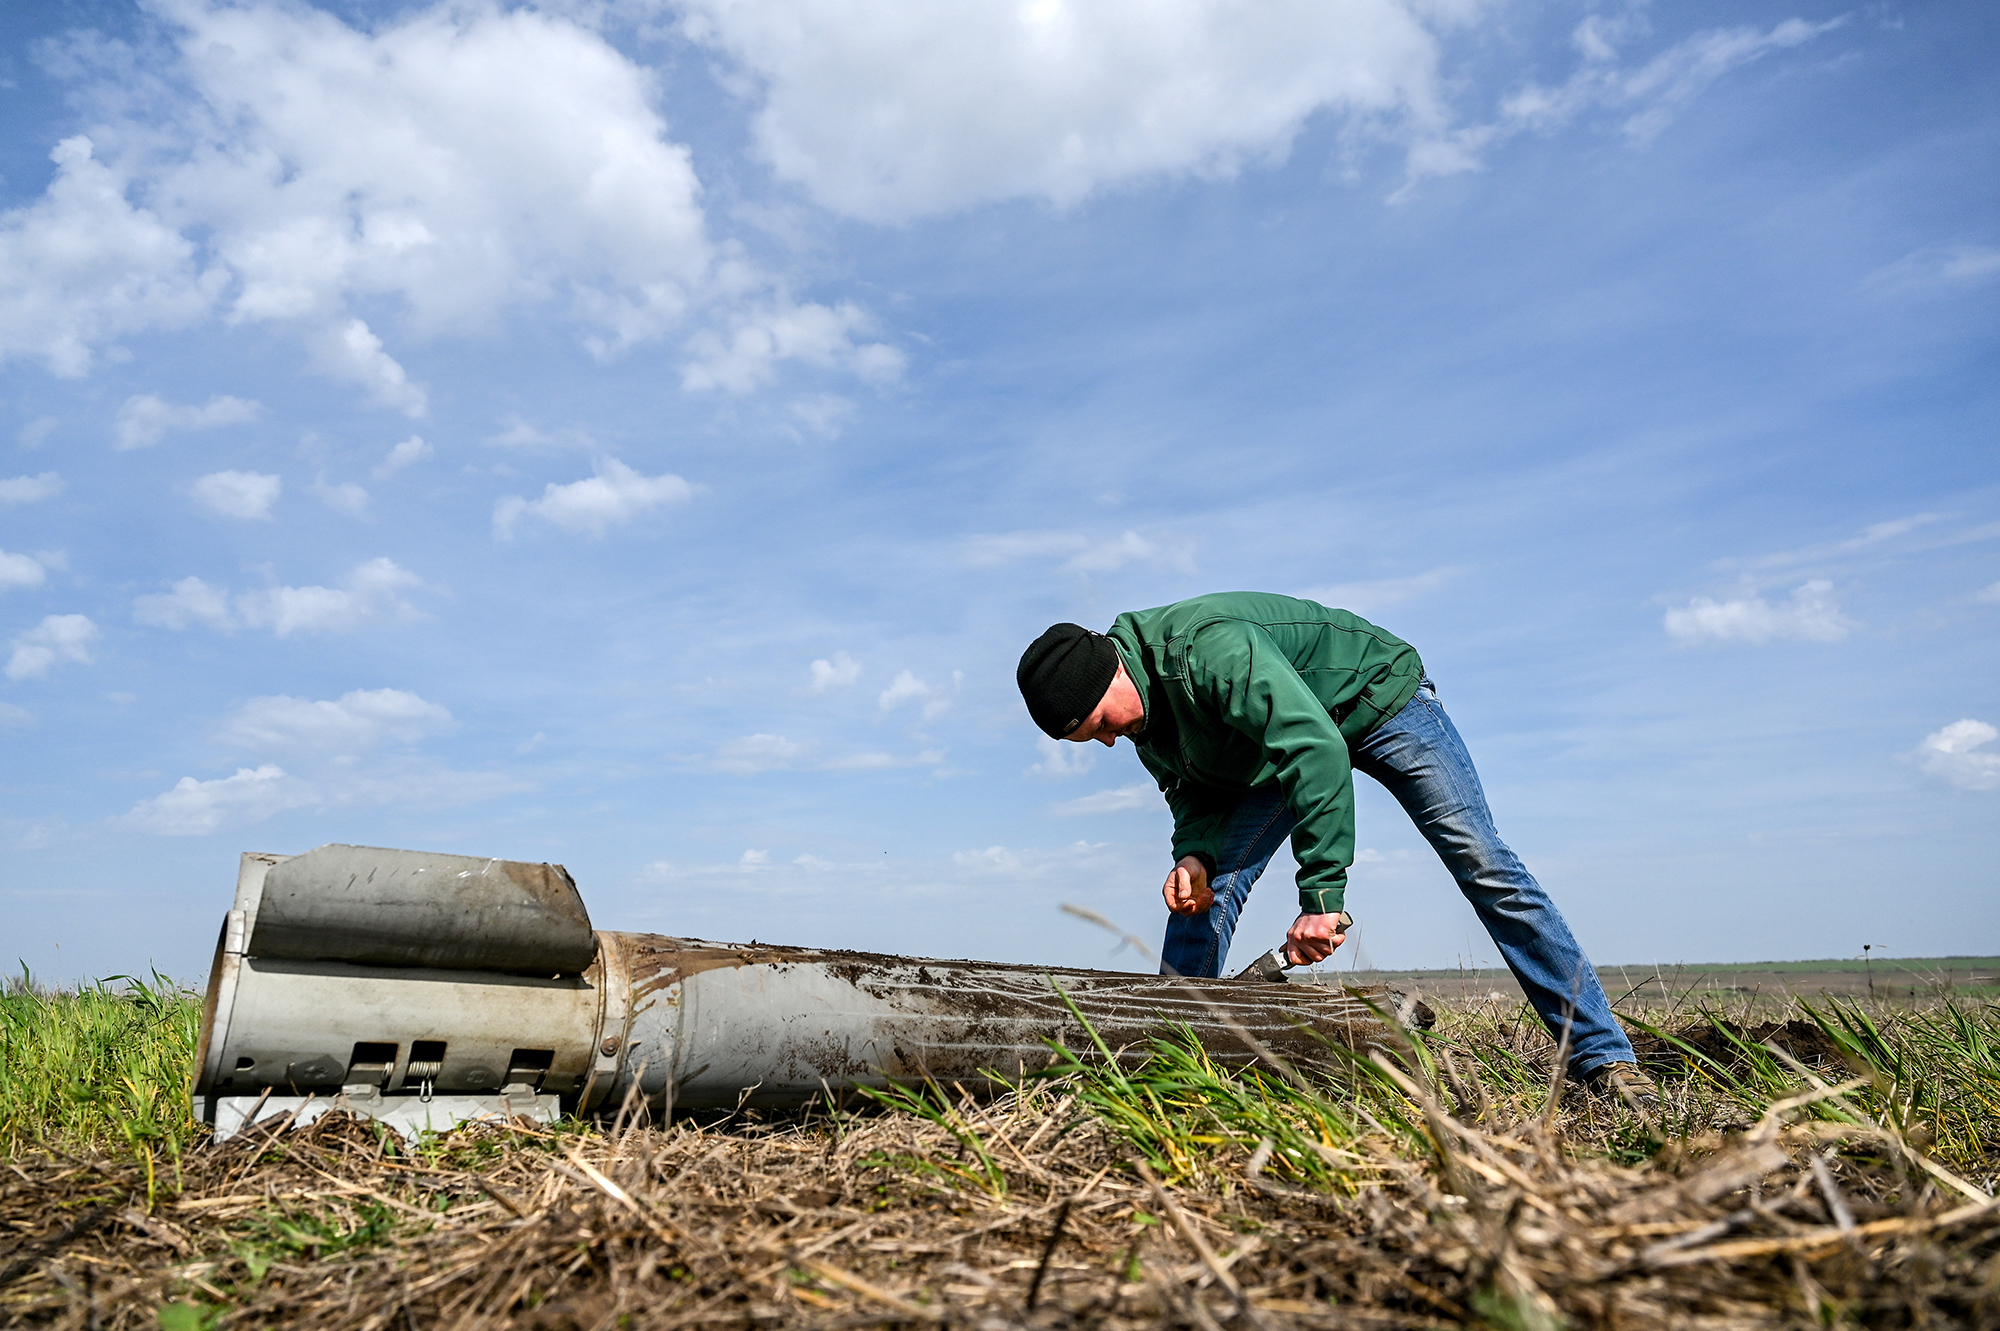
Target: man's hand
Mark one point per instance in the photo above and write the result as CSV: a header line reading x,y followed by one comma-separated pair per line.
x,y
1314,937
1186,888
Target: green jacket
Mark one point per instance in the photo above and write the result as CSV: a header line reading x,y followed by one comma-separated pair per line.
x,y
1246,688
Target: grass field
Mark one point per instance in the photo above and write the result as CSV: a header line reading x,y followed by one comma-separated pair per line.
x,y
1887,979
1818,1161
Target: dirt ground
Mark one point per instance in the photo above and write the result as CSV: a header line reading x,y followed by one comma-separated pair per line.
x,y
1517,1213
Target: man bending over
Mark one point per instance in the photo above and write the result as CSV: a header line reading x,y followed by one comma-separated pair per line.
x,y
1252,711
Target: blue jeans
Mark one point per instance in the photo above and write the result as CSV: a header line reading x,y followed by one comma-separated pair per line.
x,y
1419,757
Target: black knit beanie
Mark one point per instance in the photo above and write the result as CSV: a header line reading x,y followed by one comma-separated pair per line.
x,y
1063,676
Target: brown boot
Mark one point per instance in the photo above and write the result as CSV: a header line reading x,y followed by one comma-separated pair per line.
x,y
1625,1082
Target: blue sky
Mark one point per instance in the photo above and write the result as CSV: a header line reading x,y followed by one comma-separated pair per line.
x,y
643,435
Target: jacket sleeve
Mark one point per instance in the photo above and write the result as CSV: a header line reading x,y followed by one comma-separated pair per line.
x,y
1235,669
1200,813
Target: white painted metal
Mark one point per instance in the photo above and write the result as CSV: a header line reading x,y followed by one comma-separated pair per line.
x,y
409,1115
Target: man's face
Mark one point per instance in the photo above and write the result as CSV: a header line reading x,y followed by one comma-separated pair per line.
x,y
1120,712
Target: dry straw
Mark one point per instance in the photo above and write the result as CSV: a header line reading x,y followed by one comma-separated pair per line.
x,y
1432,1186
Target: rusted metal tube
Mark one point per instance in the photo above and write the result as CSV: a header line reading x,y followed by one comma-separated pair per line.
x,y
716,1025
306,1007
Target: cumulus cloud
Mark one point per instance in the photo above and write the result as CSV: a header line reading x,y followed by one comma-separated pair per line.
x,y
346,497
144,420
196,808
1138,795
81,266
57,639
1062,760
889,111
906,688
756,753
36,432
320,741
1991,594
453,164
837,673
191,601
348,351
20,571
1958,754
1811,615
614,496
372,591
406,454
525,434
353,723
30,489
1077,552
247,495
745,354
15,718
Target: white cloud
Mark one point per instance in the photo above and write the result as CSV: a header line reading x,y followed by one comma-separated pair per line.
x,y
1078,553
1062,760
15,718
753,858
406,454
993,859
196,808
372,591
144,420
322,743
1991,594
20,571
1138,795
1651,94
192,601
523,434
30,489
1938,268
745,354
348,351
58,638
462,159
351,724
35,432
756,753
347,497
454,165
81,266
1954,754
838,673
1875,533
1365,598
890,111
1811,615
247,495
615,495
906,687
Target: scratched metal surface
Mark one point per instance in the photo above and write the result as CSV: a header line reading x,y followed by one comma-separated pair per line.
x,y
413,908
715,1025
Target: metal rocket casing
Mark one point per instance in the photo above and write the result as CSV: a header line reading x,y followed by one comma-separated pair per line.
x,y
425,989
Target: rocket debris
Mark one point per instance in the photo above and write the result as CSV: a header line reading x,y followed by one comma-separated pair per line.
x,y
427,990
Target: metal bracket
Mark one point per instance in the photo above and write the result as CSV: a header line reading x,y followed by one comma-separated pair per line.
x,y
614,1021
